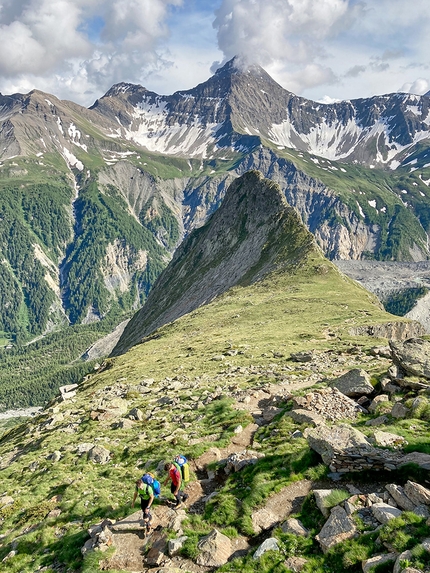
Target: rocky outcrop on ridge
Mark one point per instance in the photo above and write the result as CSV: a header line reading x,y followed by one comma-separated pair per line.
x,y
253,233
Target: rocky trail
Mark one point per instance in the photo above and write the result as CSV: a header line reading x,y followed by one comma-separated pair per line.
x,y
137,553
329,414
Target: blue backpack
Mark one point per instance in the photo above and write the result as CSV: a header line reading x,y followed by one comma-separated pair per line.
x,y
149,479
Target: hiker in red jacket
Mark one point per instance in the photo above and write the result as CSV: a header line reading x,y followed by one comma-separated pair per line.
x,y
175,487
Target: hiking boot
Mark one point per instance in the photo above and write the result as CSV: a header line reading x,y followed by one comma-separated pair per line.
x,y
179,506
185,497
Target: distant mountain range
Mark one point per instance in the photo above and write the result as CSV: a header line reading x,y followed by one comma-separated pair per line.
x,y
95,201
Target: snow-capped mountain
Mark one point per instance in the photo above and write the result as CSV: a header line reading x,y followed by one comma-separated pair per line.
x,y
237,109
95,201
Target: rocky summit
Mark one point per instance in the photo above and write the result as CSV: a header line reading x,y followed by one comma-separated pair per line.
x,y
253,233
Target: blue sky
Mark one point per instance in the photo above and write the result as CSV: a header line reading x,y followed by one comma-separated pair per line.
x,y
321,49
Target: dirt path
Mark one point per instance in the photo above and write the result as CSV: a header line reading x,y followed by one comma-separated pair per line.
x,y
136,553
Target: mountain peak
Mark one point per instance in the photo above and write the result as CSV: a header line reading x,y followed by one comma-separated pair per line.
x,y
253,233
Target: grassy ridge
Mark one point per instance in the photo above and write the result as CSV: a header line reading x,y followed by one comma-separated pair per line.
x,y
262,324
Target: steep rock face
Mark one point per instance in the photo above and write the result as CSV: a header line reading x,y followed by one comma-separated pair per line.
x,y
240,106
253,233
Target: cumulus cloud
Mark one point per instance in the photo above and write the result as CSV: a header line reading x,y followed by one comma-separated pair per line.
x,y
419,87
341,44
84,45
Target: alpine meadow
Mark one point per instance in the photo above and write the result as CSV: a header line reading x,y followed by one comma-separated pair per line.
x,y
232,274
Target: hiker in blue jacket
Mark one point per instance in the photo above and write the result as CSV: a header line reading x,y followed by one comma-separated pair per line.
x,y
146,494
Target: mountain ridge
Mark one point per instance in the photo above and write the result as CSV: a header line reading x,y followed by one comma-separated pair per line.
x,y
131,177
240,243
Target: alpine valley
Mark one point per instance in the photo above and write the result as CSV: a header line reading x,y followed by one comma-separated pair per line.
x,y
94,202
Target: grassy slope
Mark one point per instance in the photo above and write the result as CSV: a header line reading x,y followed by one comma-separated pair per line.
x,y
280,315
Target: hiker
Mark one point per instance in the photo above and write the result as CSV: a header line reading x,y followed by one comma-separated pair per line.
x,y
146,499
175,488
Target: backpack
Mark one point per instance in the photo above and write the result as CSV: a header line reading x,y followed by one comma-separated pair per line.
x,y
181,463
149,479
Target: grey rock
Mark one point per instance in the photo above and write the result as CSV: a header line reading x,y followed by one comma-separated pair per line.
x,y
136,414
55,456
413,356
418,458
320,497
302,416
327,441
384,512
417,493
295,564
399,411
422,510
215,549
304,356
6,500
99,455
294,526
337,528
174,546
377,400
270,544
399,496
238,460
386,439
354,383
377,421
377,560
404,556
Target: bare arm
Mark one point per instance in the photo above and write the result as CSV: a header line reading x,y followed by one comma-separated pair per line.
x,y
134,498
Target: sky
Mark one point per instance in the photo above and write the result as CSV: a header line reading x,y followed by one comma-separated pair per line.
x,y
324,50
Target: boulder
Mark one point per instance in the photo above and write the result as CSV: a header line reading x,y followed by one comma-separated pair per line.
x,y
404,556
418,458
378,400
384,512
354,383
413,356
136,414
238,460
377,560
337,528
295,527
263,519
399,411
320,496
295,564
377,421
302,416
174,546
270,544
215,549
399,496
386,439
6,500
327,441
417,493
99,455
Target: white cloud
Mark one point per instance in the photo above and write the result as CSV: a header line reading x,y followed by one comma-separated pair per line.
x,y
420,86
332,49
81,46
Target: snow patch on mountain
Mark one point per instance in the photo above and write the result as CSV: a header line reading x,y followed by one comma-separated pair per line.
x,y
151,129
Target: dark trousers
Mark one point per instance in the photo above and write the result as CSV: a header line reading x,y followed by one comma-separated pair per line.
x,y
179,496
147,517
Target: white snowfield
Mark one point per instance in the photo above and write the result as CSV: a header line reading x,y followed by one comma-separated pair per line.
x,y
152,127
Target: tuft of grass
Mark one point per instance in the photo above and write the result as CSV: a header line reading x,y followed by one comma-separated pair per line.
x,y
336,497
